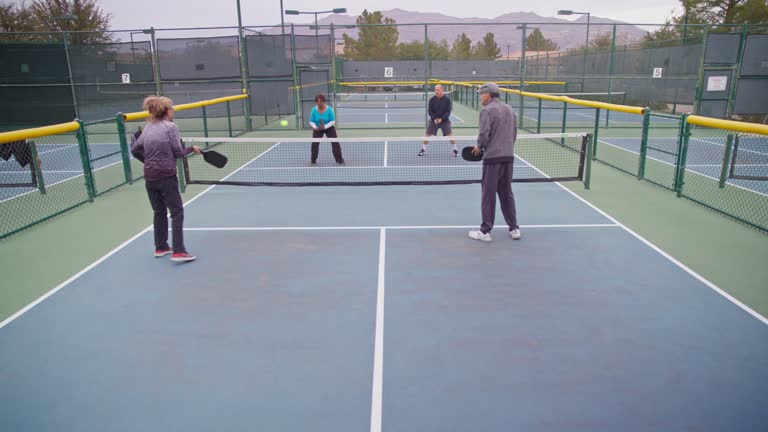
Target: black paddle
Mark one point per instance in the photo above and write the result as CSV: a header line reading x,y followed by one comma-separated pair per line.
x,y
467,155
215,158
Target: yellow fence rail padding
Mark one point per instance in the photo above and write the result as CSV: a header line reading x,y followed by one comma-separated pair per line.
x,y
25,134
602,105
141,115
730,125
379,83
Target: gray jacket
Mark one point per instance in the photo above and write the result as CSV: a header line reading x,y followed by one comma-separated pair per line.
x,y
498,132
161,146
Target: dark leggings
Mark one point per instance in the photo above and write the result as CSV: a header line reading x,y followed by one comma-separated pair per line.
x,y
336,148
163,196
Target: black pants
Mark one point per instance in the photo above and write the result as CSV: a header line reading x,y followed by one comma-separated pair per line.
x,y
336,147
497,179
163,196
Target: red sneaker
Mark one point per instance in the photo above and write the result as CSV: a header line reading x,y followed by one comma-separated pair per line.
x,y
162,252
182,257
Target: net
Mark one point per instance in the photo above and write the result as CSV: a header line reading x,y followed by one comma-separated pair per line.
x,y
380,161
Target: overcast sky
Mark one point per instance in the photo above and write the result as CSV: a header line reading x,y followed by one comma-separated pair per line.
x,y
137,14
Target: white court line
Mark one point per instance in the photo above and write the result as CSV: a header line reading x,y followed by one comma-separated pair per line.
x,y
685,268
386,117
378,350
395,227
105,257
691,171
366,167
35,190
386,145
615,222
459,118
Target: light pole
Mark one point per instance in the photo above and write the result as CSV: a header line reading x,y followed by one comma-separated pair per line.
x,y
316,13
586,46
48,23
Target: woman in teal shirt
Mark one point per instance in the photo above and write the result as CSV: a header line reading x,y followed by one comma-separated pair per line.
x,y
322,121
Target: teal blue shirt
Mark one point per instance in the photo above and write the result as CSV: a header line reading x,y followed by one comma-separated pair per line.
x,y
327,116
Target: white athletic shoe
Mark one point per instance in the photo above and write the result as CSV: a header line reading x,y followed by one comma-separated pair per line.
x,y
515,234
479,235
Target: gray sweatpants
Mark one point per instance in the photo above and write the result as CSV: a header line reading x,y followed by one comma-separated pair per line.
x,y
497,178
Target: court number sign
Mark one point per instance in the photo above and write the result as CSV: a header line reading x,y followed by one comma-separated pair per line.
x,y
389,72
657,72
126,78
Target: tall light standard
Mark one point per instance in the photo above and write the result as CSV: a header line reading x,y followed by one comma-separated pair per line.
x,y
316,13
586,46
48,23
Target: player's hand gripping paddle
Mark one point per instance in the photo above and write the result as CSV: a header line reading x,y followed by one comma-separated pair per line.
x,y
467,155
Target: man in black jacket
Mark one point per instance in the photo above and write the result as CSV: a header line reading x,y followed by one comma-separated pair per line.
x,y
439,118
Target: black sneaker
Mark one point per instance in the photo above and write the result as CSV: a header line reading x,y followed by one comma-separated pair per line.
x,y
455,153
422,152
341,162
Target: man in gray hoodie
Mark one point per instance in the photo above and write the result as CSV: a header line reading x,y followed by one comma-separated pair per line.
x,y
496,140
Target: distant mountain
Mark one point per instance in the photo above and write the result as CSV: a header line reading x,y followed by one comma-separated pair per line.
x,y
508,37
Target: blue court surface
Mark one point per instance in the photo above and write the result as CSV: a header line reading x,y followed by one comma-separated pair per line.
x,y
59,163
369,308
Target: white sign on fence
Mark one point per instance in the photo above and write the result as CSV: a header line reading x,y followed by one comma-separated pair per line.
x,y
657,72
126,78
389,72
717,83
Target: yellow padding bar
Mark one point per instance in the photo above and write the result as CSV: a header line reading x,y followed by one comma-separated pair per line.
x,y
380,83
731,125
144,114
25,134
603,105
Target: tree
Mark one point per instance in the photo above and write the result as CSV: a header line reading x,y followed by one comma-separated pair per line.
x,y
46,16
600,42
16,18
373,42
487,49
88,14
439,50
712,12
462,48
536,42
415,50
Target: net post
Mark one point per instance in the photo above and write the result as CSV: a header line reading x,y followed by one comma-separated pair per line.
x,y
538,118
36,169
644,144
205,124
595,133
565,121
588,161
726,161
683,156
229,119
124,150
82,141
681,130
182,166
